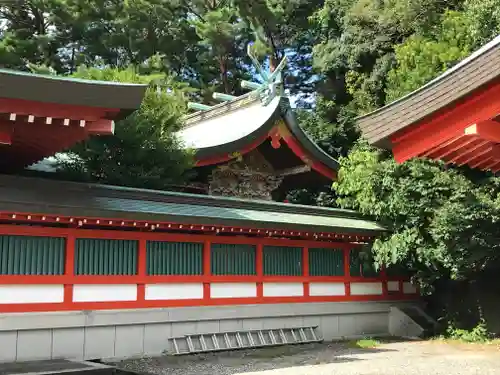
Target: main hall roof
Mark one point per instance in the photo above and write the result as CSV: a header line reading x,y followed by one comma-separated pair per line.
x,y
238,126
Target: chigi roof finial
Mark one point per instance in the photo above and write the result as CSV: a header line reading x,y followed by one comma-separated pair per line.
x,y
270,87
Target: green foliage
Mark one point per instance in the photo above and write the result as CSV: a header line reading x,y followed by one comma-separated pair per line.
x,y
334,138
143,151
478,334
365,343
421,58
484,16
442,224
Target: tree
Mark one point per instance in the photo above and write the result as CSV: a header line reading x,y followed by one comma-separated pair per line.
x,y
26,34
142,152
222,39
484,16
355,48
281,28
441,223
421,58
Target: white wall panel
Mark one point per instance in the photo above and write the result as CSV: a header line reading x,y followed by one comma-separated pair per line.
x,y
393,286
31,293
233,290
283,289
327,289
104,292
174,291
409,288
366,289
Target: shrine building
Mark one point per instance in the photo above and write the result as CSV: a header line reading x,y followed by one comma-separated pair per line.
x,y
90,271
454,118
258,150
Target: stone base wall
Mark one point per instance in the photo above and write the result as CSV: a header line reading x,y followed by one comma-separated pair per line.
x,y
107,334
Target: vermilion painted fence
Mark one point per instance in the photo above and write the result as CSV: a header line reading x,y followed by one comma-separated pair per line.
x,y
140,290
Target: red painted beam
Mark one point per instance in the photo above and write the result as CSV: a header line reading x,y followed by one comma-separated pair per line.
x,y
434,152
482,164
298,150
225,157
492,164
487,130
5,133
449,149
467,151
450,123
475,157
291,142
100,127
454,152
495,168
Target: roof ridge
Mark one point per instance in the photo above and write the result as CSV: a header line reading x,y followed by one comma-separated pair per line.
x,y
220,109
69,79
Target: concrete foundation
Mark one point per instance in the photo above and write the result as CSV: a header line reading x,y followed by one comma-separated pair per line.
x,y
106,334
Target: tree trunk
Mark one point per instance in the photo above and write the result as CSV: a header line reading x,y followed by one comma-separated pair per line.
x,y
272,63
223,74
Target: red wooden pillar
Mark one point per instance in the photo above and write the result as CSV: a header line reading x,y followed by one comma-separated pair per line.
x,y
305,270
207,270
347,271
69,269
141,271
259,265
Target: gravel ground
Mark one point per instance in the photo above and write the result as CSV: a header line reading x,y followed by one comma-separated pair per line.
x,y
395,358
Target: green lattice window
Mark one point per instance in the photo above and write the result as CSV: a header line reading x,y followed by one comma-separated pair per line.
x,y
326,262
231,259
282,261
95,256
361,265
29,255
174,258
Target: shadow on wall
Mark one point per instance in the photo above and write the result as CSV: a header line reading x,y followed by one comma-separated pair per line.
x,y
465,302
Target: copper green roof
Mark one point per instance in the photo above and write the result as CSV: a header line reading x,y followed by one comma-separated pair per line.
x,y
32,195
70,91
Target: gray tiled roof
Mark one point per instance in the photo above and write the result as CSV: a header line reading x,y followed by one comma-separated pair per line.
x,y
71,91
21,194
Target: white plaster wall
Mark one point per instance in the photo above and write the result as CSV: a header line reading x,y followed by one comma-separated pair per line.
x,y
174,291
233,290
366,289
409,288
283,289
104,292
327,289
31,293
393,286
